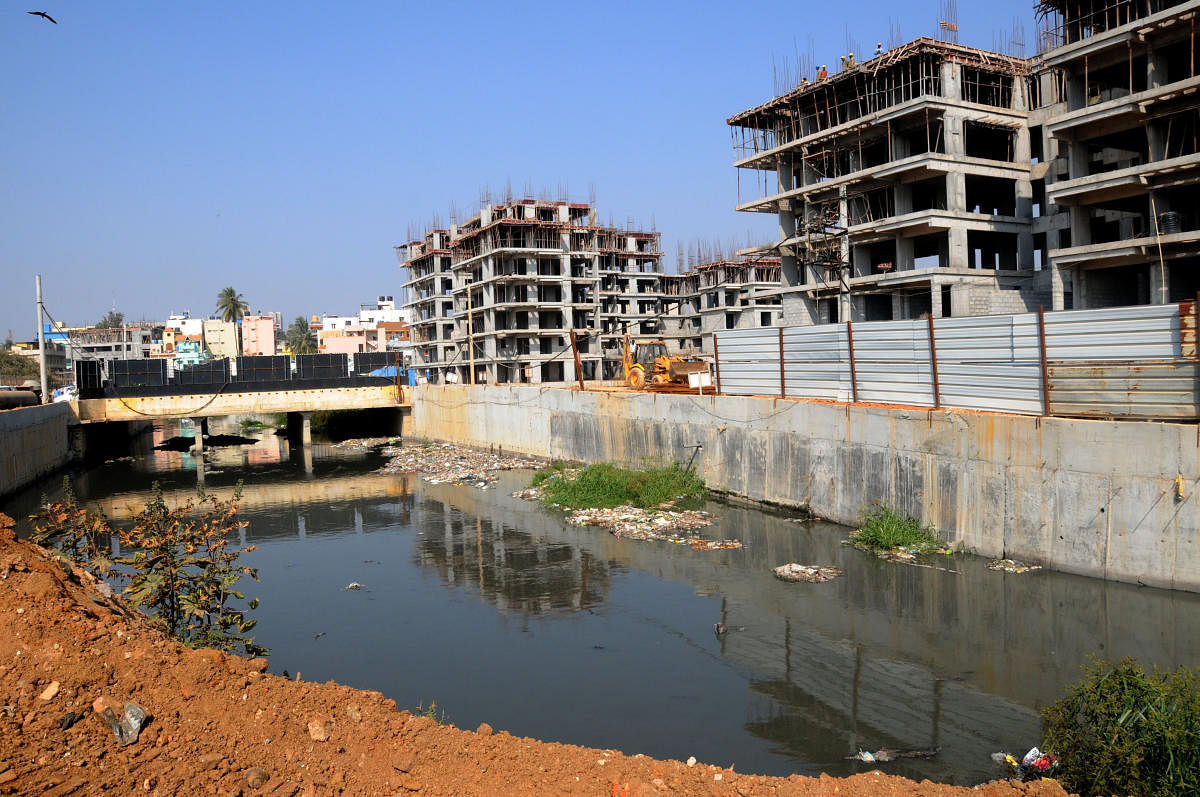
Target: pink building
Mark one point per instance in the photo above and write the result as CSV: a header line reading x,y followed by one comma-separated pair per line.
x,y
344,341
258,335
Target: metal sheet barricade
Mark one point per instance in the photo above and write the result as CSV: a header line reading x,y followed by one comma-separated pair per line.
x,y
1124,362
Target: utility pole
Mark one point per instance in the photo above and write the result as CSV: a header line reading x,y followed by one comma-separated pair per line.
x,y
470,330
41,338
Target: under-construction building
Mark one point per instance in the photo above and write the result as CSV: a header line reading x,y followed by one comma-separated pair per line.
x,y
902,186
500,294
723,294
943,179
1122,160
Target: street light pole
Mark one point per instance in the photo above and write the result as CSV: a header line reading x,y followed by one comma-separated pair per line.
x,y
41,339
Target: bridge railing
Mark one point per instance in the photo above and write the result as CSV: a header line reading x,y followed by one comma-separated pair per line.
x,y
132,378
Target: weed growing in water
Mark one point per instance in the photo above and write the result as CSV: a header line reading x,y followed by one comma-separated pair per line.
x,y
884,529
605,486
1123,731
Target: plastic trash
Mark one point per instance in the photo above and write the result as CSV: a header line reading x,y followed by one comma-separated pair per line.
x,y
354,585
128,726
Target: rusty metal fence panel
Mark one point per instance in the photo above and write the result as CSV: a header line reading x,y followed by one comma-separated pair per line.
x,y
817,363
1165,389
749,361
892,362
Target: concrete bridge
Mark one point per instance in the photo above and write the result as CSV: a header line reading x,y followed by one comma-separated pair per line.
x,y
198,406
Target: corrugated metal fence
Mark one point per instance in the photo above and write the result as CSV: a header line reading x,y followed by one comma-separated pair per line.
x,y
1137,362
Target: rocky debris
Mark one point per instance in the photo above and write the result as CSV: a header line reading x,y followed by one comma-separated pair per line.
x,y
448,464
318,730
256,777
1012,566
816,574
49,692
126,726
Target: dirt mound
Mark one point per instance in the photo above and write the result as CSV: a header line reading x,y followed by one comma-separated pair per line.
x,y
222,725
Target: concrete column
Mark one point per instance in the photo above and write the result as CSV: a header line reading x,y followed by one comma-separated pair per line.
x,y
935,298
198,441
306,429
958,256
905,256
951,74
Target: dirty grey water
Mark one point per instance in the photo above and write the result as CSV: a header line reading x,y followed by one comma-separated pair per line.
x,y
499,611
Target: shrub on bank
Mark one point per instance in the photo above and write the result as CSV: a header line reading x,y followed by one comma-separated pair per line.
x,y
884,529
605,486
1123,731
180,563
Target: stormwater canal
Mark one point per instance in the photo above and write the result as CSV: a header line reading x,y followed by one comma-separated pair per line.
x,y
501,612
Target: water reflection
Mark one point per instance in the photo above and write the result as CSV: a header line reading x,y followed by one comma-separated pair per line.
x,y
619,633
517,571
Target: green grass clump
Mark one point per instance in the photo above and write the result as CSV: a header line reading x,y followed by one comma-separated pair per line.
x,y
605,486
551,471
1123,731
884,529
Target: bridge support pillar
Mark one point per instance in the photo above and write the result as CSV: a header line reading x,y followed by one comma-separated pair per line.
x,y
306,429
198,441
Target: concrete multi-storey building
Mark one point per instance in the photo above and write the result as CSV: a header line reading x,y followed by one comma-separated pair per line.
x,y
942,179
902,185
1122,157
505,289
723,294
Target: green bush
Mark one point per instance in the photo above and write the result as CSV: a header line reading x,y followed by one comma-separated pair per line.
x,y
553,470
884,529
1123,731
603,486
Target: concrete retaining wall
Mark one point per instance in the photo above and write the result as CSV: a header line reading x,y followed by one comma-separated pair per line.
x,y
1108,499
33,442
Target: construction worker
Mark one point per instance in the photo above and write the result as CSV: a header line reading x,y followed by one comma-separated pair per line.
x,y
850,60
822,73
879,48
803,82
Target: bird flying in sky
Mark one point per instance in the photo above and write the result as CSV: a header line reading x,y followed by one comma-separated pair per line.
x,y
42,14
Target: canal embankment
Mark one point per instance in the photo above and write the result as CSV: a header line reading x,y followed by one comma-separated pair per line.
x,y
1107,499
34,441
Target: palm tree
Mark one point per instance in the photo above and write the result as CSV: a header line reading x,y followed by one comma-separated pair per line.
x,y
230,305
299,338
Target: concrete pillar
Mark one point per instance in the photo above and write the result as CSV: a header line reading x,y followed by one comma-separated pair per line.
x,y
306,429
951,74
198,440
958,256
905,254
935,298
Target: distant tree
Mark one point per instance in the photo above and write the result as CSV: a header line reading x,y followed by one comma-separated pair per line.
x,y
299,338
230,305
112,320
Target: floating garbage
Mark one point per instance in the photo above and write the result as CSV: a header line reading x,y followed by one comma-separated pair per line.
x,y
653,524
447,464
1035,764
1012,566
816,574
891,754
354,585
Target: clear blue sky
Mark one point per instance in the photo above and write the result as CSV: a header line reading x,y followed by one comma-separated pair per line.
x,y
156,152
